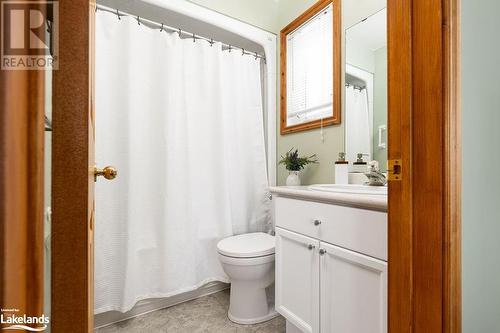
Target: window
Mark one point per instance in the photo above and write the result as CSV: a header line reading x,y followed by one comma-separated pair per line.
x,y
309,87
310,71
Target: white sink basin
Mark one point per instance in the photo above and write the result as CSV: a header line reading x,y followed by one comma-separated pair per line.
x,y
351,188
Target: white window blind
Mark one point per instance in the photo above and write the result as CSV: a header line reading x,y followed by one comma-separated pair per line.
x,y
310,69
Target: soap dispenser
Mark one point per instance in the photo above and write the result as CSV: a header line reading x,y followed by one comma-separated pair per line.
x,y
341,170
360,165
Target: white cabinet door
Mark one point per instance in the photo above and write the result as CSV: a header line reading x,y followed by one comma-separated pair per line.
x,y
297,279
353,292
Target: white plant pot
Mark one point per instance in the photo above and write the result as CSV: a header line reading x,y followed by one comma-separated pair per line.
x,y
293,178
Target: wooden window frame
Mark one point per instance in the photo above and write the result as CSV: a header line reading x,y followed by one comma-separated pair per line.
x,y
337,68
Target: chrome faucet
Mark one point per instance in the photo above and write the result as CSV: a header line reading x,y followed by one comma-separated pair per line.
x,y
375,177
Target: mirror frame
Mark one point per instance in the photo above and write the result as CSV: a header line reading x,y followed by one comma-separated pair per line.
x,y
335,118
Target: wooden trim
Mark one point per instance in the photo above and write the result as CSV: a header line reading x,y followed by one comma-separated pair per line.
x,y
452,261
21,190
72,176
400,218
337,67
22,137
427,172
424,208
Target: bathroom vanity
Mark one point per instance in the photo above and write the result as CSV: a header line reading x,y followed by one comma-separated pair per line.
x,y
331,260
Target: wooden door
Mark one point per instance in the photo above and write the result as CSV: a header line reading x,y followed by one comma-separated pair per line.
x,y
353,294
297,279
21,191
423,133
73,171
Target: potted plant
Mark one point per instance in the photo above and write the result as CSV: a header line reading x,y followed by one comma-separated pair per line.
x,y
294,164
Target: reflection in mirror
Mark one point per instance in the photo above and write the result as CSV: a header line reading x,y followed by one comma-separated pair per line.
x,y
309,45
366,89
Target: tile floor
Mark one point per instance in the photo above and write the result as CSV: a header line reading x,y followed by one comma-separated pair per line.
x,y
206,314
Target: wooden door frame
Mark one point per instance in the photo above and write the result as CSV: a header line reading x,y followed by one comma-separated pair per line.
x,y
72,305
424,132
22,190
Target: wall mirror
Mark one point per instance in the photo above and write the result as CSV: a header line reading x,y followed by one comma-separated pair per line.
x,y
366,82
311,69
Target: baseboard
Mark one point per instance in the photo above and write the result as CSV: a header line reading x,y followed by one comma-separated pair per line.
x,y
291,328
154,304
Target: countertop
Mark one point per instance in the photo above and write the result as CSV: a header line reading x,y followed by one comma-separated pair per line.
x,y
365,201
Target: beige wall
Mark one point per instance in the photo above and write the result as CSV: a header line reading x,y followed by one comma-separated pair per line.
x,y
326,146
291,9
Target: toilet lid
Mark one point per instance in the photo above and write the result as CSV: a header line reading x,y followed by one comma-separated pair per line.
x,y
250,245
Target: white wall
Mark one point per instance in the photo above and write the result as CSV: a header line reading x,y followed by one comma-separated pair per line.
x,y
359,55
481,160
260,13
380,105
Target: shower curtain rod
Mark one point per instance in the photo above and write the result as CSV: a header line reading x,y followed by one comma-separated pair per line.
x,y
181,33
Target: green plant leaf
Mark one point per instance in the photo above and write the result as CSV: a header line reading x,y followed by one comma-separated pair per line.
x,y
293,162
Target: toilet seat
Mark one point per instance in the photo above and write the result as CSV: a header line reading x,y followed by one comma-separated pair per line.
x,y
248,261
251,245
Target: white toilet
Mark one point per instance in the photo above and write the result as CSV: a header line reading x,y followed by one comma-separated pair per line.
x,y
248,260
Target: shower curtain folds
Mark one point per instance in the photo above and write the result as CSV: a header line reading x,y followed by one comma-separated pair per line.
x,y
183,123
358,124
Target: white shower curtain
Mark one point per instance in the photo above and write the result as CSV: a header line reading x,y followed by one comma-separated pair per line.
x,y
358,138
183,123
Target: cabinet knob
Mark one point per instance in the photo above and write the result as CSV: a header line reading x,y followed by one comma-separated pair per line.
x,y
317,222
310,246
322,251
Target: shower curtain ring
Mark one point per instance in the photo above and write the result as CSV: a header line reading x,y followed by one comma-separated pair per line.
x,y
138,20
180,32
118,14
194,38
256,56
161,29
211,42
242,51
230,48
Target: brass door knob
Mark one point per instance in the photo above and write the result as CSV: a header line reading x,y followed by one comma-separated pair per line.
x,y
108,172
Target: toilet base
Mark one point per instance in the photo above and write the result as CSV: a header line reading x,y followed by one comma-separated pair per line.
x,y
244,321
